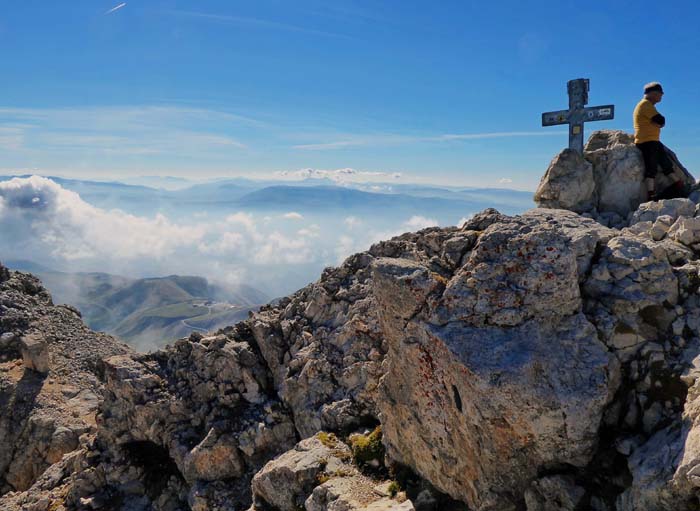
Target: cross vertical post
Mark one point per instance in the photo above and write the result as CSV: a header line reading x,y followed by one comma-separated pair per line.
x,y
578,113
578,98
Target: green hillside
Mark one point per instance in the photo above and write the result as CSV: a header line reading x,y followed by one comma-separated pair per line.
x,y
150,312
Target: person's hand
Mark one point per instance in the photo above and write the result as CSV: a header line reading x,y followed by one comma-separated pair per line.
x,y
659,120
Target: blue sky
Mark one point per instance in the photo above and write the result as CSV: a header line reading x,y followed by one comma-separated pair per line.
x,y
445,92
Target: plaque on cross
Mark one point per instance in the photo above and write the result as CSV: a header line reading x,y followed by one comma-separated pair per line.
x,y
578,113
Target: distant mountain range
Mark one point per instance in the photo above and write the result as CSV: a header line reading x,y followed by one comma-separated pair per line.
x,y
310,195
147,312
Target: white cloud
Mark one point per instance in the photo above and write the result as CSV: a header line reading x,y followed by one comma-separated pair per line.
x,y
417,223
312,231
244,219
293,215
323,147
395,139
41,220
126,130
345,247
253,22
360,241
11,137
116,8
464,220
505,180
281,248
227,243
352,222
338,175
73,229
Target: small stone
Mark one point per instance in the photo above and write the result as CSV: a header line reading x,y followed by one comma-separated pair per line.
x,y
656,359
678,326
35,353
632,415
7,339
652,417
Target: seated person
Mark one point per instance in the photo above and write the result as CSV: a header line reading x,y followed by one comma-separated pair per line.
x,y
647,134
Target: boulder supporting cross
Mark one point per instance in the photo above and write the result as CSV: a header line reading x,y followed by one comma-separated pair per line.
x,y
578,113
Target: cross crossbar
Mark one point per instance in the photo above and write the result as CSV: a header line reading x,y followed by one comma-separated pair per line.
x,y
578,113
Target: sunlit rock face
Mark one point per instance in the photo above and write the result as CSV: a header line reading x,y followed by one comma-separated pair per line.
x,y
606,182
494,373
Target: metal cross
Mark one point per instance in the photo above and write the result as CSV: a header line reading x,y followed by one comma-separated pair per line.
x,y
577,113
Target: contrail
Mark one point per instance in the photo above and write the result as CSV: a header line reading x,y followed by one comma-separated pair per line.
x,y
123,4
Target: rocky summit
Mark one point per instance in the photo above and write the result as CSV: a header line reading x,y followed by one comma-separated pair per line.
x,y
541,362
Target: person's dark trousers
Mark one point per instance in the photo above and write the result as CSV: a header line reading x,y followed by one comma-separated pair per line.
x,y
654,155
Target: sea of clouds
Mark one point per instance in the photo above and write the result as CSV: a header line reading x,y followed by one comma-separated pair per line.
x,y
42,222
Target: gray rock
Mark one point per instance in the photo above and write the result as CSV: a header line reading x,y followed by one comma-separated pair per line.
x,y
35,353
4,274
318,475
554,493
7,340
686,231
481,349
674,208
286,482
661,226
352,494
567,184
607,139
618,172
608,179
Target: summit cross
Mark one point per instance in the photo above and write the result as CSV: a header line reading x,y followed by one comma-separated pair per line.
x,y
578,113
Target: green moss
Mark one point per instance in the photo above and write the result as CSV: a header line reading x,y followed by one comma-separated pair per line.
x,y
322,477
343,472
327,439
393,489
342,455
366,448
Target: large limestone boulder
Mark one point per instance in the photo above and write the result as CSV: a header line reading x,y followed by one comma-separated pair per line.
x,y
619,176
567,184
494,374
608,179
